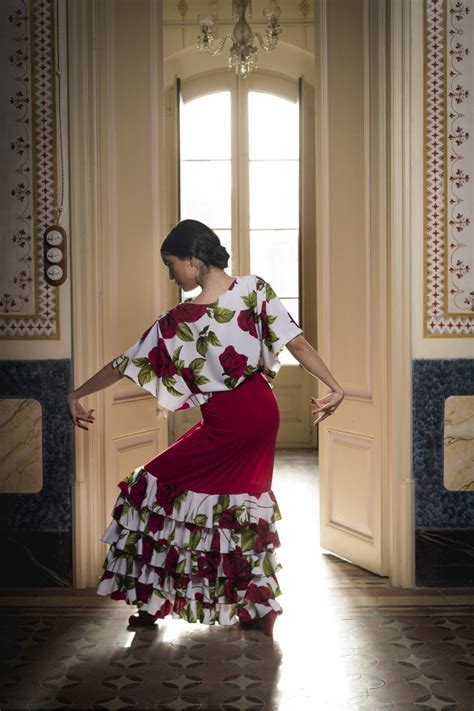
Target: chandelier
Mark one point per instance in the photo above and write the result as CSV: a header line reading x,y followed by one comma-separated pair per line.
x,y
243,53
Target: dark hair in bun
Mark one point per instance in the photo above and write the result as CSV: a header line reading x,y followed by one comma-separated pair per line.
x,y
191,238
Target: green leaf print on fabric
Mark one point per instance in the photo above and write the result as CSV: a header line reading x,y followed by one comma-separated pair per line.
x,y
248,540
177,353
201,379
213,340
169,381
122,365
223,501
202,344
231,383
267,565
181,567
194,539
200,519
140,362
146,373
262,284
197,365
223,315
184,332
251,300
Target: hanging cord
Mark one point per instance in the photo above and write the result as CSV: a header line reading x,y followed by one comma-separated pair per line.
x,y
59,208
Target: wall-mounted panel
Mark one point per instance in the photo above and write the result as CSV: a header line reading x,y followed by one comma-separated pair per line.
x,y
351,484
29,199
448,284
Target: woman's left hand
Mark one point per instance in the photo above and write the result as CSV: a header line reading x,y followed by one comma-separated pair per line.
x,y
326,405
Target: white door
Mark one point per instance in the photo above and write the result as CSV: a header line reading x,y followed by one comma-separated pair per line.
x,y
352,285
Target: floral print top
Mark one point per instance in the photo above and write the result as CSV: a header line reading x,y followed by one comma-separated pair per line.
x,y
193,350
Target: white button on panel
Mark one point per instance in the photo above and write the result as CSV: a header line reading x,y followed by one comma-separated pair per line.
x,y
54,238
54,272
54,255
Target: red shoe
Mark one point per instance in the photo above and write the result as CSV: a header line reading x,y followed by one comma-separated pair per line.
x,y
142,619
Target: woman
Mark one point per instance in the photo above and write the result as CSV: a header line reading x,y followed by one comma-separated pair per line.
x,y
193,532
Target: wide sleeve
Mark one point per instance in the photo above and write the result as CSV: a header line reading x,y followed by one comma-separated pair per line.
x,y
150,364
275,325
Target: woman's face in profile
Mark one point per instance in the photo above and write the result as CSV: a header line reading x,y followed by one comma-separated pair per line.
x,y
177,271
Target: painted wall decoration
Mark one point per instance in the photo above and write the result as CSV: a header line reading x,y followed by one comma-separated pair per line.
x,y
449,173
29,307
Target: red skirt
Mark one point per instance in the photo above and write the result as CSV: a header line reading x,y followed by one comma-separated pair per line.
x,y
193,532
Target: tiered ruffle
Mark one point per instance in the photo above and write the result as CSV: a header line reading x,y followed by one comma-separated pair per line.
x,y
201,557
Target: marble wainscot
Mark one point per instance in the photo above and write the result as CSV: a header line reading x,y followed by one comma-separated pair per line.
x,y
21,450
443,469
36,483
459,442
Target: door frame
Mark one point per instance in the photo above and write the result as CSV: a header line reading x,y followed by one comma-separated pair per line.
x,y
405,26
401,33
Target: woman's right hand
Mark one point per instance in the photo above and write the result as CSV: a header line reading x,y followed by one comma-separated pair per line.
x,y
79,413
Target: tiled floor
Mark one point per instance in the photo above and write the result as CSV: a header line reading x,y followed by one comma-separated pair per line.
x,y
346,640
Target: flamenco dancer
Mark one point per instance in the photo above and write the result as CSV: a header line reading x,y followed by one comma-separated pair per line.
x,y
193,532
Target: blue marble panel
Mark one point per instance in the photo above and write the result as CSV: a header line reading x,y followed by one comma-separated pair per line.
x,y
433,382
48,381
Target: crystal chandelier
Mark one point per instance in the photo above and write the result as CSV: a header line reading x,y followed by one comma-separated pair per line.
x,y
243,53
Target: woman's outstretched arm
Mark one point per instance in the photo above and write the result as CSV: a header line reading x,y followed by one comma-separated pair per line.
x,y
102,379
314,365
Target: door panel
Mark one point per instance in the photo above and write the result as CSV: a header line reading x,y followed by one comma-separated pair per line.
x,y
351,275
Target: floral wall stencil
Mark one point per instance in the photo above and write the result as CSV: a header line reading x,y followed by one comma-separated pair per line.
x,y
28,305
449,160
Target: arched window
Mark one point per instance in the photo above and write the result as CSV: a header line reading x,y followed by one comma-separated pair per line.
x,y
237,162
239,167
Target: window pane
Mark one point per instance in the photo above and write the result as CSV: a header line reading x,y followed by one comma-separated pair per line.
x,y
274,257
206,192
205,127
292,306
274,187
273,127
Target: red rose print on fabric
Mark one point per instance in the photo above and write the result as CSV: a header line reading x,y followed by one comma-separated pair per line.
x,y
258,593
171,559
208,565
246,321
147,550
161,361
165,495
168,325
227,519
188,377
118,512
137,492
233,363
236,566
244,616
156,522
189,312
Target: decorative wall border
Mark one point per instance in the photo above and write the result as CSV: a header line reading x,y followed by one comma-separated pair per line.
x,y
33,139
448,229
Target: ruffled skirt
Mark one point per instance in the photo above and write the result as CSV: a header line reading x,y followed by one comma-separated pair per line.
x,y
193,533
